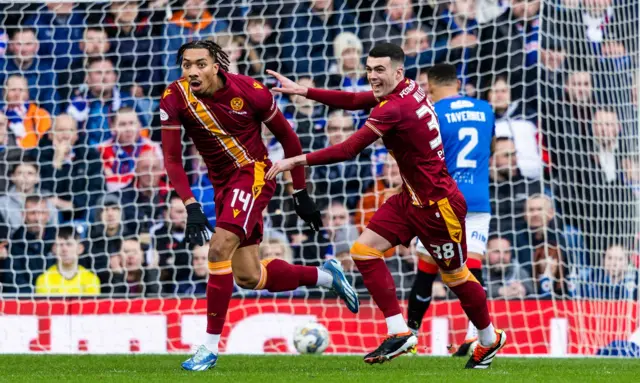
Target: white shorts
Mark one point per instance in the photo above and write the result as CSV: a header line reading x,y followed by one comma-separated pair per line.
x,y
477,229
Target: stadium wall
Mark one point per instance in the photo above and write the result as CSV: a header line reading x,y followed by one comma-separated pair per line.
x,y
72,326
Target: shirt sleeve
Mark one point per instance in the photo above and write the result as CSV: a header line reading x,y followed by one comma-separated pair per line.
x,y
170,107
263,102
383,118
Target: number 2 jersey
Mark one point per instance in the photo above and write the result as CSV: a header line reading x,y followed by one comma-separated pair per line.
x,y
467,127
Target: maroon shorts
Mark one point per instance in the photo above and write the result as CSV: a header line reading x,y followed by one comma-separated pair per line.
x,y
240,202
440,227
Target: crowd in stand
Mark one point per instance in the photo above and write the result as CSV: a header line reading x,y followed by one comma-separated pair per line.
x,y
85,204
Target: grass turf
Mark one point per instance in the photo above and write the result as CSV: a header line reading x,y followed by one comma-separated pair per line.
x,y
299,369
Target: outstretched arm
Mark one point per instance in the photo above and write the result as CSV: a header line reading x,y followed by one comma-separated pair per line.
x,y
335,153
332,98
281,129
343,100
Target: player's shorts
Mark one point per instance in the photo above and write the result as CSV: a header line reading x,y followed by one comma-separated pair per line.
x,y
477,225
440,227
241,200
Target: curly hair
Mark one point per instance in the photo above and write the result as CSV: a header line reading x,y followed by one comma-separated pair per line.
x,y
215,51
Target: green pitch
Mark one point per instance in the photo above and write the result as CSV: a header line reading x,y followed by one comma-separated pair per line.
x,y
343,369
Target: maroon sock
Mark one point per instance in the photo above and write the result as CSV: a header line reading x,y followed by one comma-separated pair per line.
x,y
219,290
278,275
380,284
473,300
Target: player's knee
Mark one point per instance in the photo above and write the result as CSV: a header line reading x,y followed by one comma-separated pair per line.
x,y
247,280
457,277
362,252
221,249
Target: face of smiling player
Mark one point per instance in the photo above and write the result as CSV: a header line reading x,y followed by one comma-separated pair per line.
x,y
383,75
202,72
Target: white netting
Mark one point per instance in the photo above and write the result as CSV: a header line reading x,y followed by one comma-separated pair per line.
x,y
562,77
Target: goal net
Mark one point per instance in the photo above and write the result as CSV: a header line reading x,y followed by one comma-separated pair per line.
x,y
80,157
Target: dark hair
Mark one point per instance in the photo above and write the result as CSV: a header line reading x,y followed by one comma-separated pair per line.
x,y
13,32
67,232
26,161
215,51
95,28
442,74
393,51
503,139
33,198
93,60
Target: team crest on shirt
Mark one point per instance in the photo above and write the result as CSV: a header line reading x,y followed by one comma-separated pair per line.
x,y
257,85
237,103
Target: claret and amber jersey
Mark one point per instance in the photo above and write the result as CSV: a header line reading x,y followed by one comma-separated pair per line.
x,y
225,128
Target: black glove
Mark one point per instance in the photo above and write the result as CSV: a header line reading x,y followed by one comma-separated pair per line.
x,y
307,210
197,223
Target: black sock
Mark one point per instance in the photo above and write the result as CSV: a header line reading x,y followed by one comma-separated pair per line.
x,y
478,274
419,306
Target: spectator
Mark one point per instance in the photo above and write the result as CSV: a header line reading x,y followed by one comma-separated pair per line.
x,y
516,122
503,277
67,277
419,51
631,173
129,276
306,47
10,153
509,189
346,180
133,47
120,153
261,41
335,239
94,102
25,182
232,45
348,74
59,28
544,78
509,44
29,248
193,22
94,44
196,285
460,33
169,241
617,279
307,119
22,59
276,248
27,121
105,237
203,193
385,187
143,199
71,170
423,80
391,25
606,129
541,245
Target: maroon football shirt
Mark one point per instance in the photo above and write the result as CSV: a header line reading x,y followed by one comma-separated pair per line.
x,y
225,128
